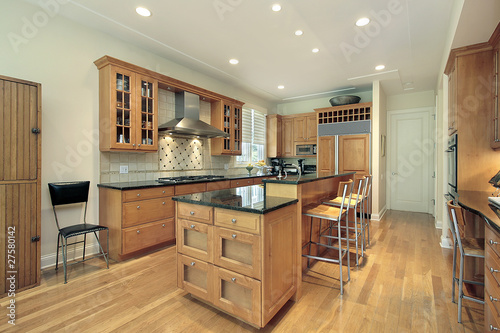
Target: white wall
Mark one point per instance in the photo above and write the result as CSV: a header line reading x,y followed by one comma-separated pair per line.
x,y
59,54
379,129
411,100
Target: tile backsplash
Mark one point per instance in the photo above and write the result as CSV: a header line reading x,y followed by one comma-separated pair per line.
x,y
175,156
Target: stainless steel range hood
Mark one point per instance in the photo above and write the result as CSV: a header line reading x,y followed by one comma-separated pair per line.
x,y
187,119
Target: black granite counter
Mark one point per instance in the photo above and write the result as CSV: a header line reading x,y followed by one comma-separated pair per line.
x,y
154,183
251,199
477,202
305,178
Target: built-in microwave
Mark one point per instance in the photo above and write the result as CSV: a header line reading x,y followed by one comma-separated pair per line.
x,y
305,150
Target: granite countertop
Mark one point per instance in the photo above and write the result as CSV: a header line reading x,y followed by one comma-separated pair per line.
x,y
251,199
477,202
154,183
305,178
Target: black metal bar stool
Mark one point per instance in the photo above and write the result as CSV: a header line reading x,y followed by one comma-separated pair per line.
x,y
334,215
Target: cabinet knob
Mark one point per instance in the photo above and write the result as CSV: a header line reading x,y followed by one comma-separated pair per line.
x,y
493,328
493,299
233,221
163,225
133,145
234,236
163,202
139,145
138,207
233,279
138,231
192,263
192,213
192,226
163,192
138,194
492,270
493,242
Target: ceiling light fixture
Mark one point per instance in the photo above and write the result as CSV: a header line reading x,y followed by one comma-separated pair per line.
x,y
362,21
276,7
315,50
281,87
234,61
299,33
143,11
380,67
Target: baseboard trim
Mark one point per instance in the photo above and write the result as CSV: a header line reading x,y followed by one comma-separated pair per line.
x,y
380,215
74,253
438,224
446,242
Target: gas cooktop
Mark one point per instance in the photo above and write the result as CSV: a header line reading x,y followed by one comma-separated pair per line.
x,y
187,179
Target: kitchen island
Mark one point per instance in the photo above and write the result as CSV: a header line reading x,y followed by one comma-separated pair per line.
x,y
237,250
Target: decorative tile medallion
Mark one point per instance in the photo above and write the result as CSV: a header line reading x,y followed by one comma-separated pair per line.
x,y
180,154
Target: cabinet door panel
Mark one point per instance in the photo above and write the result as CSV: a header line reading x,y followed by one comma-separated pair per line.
x,y
146,109
138,212
195,277
326,155
299,129
121,107
238,251
148,193
195,239
146,235
354,153
195,212
311,128
241,221
287,131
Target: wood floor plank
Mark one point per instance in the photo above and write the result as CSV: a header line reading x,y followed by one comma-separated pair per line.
x,y
403,284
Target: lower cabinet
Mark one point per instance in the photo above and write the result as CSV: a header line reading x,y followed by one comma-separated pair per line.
x,y
239,262
492,280
138,219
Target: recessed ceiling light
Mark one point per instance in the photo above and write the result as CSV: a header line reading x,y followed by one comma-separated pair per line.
x,y
362,21
276,7
380,67
299,33
143,11
315,50
281,87
234,61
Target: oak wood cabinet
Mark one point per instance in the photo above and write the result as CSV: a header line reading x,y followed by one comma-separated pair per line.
x,y
274,135
326,155
495,40
492,280
287,138
239,262
305,129
354,153
138,219
128,108
20,184
227,116
452,101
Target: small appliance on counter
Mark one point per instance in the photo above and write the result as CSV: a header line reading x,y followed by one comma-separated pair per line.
x,y
309,168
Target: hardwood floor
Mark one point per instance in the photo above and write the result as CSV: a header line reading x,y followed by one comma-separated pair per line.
x,y
403,285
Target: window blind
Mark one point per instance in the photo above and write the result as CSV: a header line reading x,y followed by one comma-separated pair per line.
x,y
253,127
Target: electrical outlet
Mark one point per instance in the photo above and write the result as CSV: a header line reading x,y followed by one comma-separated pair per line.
x,y
123,168
226,166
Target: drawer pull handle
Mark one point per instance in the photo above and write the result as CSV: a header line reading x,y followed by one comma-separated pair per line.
x,y
233,279
163,202
493,299
233,221
192,213
234,236
492,242
163,192
493,328
138,194
192,226
192,263
163,225
492,270
138,231
138,207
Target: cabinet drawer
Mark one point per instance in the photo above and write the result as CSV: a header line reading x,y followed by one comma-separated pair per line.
x,y
148,193
238,251
138,238
190,188
195,277
214,186
195,239
237,220
241,182
238,294
492,273
138,212
491,314
492,241
195,212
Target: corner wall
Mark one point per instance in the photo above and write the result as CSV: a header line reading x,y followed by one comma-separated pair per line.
x,y
379,129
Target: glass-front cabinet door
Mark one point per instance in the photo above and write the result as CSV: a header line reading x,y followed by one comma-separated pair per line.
x,y
236,137
227,127
122,113
147,113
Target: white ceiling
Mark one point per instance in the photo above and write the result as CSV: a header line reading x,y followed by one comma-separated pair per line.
x,y
407,36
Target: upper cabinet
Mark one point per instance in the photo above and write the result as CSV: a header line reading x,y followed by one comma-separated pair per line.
x,y
495,140
227,116
287,137
274,136
128,109
305,129
452,101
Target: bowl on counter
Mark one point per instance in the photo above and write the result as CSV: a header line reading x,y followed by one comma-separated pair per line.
x,y
344,100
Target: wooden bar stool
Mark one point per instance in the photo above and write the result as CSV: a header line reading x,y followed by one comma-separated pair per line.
x,y
468,247
354,234
334,215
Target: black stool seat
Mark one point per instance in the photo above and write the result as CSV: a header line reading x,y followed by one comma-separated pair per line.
x,y
80,229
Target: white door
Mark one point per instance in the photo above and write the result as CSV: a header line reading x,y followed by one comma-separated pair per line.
x,y
410,157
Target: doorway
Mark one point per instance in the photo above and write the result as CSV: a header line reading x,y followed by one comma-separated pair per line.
x,y
410,160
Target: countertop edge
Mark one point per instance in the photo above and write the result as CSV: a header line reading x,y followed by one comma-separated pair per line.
x,y
305,179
